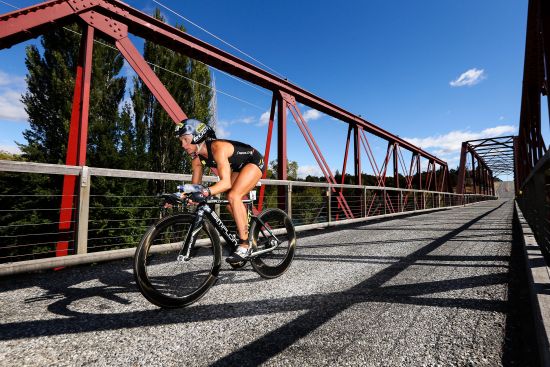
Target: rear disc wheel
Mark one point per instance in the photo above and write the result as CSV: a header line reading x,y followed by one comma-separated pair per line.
x,y
273,229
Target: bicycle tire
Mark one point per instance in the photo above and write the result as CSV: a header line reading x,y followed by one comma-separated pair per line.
x,y
273,264
167,282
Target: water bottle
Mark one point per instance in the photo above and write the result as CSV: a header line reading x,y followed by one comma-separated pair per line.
x,y
189,188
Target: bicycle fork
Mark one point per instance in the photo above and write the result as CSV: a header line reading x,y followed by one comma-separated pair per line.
x,y
185,252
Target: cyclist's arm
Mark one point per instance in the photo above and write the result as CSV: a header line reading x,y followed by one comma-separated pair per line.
x,y
221,151
196,166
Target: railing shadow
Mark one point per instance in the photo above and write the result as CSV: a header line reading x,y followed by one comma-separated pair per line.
x,y
320,308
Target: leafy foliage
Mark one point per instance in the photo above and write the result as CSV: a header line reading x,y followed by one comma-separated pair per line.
x,y
132,136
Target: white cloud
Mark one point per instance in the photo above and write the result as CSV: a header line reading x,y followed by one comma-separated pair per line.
x,y
11,89
14,81
304,171
447,146
221,129
264,119
499,130
311,115
11,107
469,78
246,120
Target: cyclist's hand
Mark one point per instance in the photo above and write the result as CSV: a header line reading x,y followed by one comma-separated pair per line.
x,y
199,196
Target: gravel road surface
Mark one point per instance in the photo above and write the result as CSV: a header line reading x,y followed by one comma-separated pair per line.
x,y
423,290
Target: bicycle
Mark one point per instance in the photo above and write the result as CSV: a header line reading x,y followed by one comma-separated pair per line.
x,y
179,258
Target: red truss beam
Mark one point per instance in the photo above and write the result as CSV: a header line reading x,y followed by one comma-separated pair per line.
x,y
484,181
117,20
529,146
114,18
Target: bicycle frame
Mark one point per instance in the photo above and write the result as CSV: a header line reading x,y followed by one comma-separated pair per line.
x,y
204,210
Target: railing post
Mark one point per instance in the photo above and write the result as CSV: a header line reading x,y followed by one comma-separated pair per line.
x,y
365,200
329,204
423,200
401,201
83,211
289,200
384,197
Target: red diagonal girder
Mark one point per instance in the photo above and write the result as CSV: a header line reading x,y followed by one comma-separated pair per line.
x,y
28,23
116,19
308,136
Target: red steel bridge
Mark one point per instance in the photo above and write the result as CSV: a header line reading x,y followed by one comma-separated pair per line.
x,y
427,189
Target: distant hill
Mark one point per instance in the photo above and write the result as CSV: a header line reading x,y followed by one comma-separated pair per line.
x,y
505,189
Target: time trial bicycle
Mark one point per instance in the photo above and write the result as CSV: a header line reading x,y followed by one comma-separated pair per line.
x,y
179,258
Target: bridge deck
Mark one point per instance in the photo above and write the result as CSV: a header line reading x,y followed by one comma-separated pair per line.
x,y
431,289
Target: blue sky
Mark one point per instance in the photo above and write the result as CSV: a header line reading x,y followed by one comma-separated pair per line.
x,y
434,72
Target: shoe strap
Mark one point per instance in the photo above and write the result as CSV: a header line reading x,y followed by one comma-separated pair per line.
x,y
242,250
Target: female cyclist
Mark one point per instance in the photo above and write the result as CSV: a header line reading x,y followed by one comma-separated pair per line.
x,y
239,167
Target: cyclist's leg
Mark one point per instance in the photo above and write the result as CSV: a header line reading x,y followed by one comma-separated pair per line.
x,y
245,181
234,176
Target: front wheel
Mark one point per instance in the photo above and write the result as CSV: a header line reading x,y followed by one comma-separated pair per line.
x,y
272,230
162,276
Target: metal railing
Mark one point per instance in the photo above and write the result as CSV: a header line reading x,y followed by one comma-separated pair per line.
x,y
112,213
534,201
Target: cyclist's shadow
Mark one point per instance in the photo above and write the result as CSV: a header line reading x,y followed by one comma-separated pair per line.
x,y
109,287
68,287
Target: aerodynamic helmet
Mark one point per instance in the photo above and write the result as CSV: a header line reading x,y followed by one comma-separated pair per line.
x,y
198,130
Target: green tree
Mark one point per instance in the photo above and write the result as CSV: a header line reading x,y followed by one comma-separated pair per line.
x,y
188,82
48,101
291,170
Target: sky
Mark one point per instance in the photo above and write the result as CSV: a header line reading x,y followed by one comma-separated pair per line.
x,y
433,72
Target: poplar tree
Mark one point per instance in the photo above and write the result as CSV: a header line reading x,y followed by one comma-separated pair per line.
x,y
188,82
48,100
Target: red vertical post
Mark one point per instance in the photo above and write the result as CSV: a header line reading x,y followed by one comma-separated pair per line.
x,y
419,170
482,179
267,149
78,134
435,176
462,169
357,155
396,175
344,165
474,173
395,165
487,181
357,166
516,166
281,151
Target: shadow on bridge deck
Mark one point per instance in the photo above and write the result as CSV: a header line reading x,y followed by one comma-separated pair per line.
x,y
417,290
